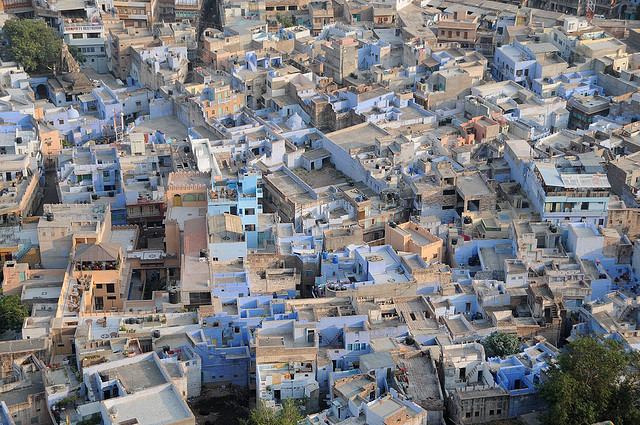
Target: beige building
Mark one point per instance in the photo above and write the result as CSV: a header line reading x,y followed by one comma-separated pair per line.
x,y
101,267
340,58
459,28
64,226
120,40
24,393
626,220
410,237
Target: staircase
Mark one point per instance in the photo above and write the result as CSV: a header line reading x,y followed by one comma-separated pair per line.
x,y
473,372
329,342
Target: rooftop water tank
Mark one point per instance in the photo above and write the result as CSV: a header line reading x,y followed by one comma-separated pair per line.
x,y
174,296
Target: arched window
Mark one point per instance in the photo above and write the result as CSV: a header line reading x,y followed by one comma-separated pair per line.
x,y
190,197
201,197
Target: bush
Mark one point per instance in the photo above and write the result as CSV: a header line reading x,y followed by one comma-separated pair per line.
x,y
500,344
12,313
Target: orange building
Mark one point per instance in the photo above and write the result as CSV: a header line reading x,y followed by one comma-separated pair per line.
x,y
410,237
187,189
50,141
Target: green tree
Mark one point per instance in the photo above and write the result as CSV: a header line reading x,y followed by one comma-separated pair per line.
x,y
31,43
500,344
285,21
12,313
594,380
262,415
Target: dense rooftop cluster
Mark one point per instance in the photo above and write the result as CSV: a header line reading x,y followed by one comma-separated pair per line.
x,y
333,202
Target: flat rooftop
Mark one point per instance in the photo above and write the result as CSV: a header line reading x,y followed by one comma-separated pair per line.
x,y
357,136
287,185
584,231
169,125
138,375
473,186
424,386
321,177
155,406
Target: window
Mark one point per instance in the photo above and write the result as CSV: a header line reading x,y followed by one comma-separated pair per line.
x,y
138,103
467,415
77,35
498,411
34,420
111,288
476,414
106,174
93,35
491,412
99,286
349,347
519,73
249,211
526,72
584,206
249,227
457,33
111,297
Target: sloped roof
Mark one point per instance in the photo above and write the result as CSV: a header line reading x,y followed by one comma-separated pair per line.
x,y
105,251
225,223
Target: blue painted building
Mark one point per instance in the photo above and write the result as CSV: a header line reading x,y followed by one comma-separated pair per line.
x,y
239,197
92,175
519,375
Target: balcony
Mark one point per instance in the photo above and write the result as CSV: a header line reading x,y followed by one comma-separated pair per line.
x,y
222,195
97,265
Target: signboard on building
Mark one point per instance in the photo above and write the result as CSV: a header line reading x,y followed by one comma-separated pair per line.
x,y
84,28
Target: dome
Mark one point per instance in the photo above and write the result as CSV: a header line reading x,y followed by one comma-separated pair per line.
x,y
72,113
295,122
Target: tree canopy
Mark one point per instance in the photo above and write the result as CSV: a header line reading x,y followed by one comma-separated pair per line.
x,y
500,344
285,21
594,380
262,415
32,43
12,313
